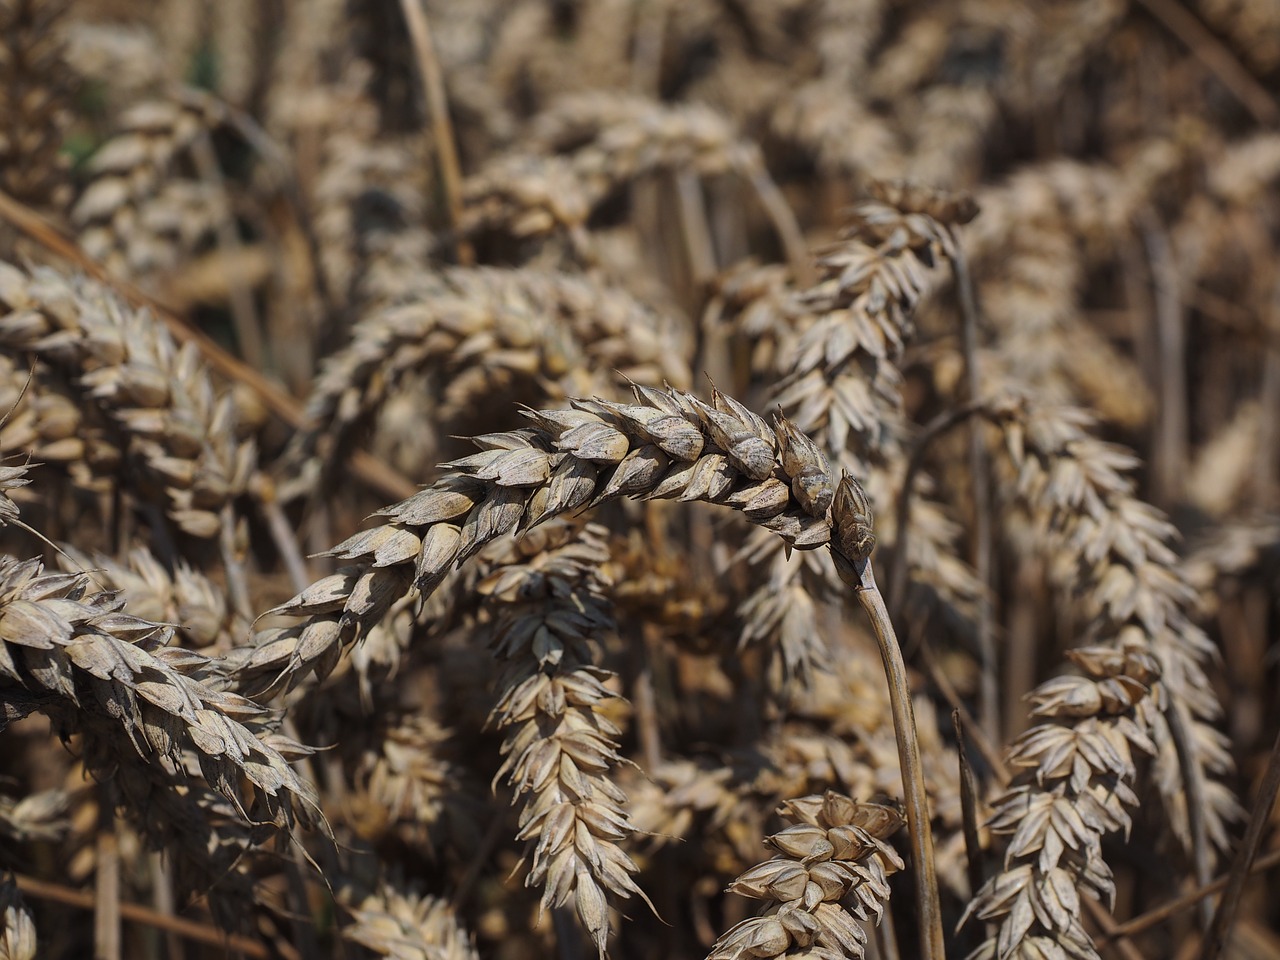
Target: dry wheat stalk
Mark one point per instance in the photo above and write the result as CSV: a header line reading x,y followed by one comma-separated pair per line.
x,y
560,748
181,432
481,328
1074,785
399,923
35,90
666,445
830,872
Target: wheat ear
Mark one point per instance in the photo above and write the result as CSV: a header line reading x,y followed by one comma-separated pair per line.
x,y
666,445
1075,781
831,871
181,430
560,748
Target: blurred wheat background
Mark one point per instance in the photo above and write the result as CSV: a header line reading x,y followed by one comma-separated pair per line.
x,y
739,300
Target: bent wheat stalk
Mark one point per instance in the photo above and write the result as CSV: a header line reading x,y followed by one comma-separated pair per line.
x,y
667,445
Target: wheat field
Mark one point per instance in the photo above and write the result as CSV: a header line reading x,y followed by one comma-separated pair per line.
x,y
639,479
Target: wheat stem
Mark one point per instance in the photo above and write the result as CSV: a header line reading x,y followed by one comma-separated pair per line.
x,y
915,798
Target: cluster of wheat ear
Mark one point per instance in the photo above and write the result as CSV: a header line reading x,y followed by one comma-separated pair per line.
x,y
526,478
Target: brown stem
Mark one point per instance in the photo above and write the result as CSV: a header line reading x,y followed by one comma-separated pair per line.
x,y
1178,906
1214,55
106,887
135,912
1258,820
928,905
441,128
968,808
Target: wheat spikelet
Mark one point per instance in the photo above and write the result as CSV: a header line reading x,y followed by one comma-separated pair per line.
x,y
17,926
667,445
197,607
830,872
181,434
34,99
482,328
399,923
1073,786
560,749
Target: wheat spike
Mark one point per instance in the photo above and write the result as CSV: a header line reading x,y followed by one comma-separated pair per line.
x,y
17,926
400,923
35,93
181,432
1074,786
560,749
830,872
137,216
482,328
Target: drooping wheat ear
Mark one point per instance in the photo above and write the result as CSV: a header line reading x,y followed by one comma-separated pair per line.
x,y
140,213
831,872
186,598
560,748
181,431
1112,550
666,445
17,926
612,139
1234,549
35,90
840,342
1074,786
408,926
77,656
481,329
47,421
370,197
529,196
